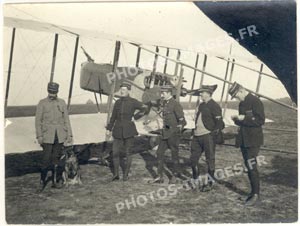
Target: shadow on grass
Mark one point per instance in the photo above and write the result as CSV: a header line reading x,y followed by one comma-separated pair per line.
x,y
19,164
232,187
152,163
286,172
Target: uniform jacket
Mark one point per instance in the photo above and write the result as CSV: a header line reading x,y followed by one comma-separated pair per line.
x,y
211,115
52,116
172,117
250,133
121,123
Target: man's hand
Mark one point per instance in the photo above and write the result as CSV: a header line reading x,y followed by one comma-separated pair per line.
x,y
180,127
241,117
108,134
40,140
70,140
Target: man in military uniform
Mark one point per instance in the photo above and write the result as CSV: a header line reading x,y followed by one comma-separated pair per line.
x,y
123,130
173,123
250,135
53,129
208,126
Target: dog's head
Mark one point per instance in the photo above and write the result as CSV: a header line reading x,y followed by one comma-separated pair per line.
x,y
72,165
68,151
71,161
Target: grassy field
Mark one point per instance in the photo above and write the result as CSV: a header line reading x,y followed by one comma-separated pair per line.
x,y
95,200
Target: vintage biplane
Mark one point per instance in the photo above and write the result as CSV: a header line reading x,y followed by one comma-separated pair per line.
x,y
103,79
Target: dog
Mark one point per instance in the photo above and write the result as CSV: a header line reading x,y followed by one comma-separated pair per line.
x,y
68,170
69,166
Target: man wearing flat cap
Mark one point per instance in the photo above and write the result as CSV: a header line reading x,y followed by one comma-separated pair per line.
x,y
123,130
208,126
250,135
53,130
173,123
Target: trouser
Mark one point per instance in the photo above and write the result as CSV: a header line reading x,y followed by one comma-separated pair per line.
x,y
171,143
119,146
199,145
51,156
249,155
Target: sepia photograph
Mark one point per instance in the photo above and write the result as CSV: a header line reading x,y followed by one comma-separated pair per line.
x,y
172,112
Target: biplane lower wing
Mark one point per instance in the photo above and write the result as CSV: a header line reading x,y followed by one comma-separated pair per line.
x,y
87,128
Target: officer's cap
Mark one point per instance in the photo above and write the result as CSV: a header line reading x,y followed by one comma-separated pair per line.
x,y
209,89
53,87
166,88
126,84
234,89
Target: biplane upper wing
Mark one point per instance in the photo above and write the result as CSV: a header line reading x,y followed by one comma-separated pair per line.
x,y
42,26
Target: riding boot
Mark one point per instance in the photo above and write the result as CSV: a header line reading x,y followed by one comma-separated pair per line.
x,y
177,170
116,166
211,174
195,170
43,175
42,180
127,168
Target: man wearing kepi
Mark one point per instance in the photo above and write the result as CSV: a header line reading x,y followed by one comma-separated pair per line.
x,y
123,130
53,130
250,135
208,126
173,123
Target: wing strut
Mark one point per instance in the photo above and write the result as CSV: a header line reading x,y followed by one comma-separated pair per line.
x,y
138,56
202,74
54,57
194,77
10,66
154,65
203,69
230,80
155,60
97,103
112,93
259,77
218,78
225,77
179,83
251,69
73,72
166,61
177,63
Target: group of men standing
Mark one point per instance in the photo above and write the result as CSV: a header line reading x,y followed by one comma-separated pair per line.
x,y
53,129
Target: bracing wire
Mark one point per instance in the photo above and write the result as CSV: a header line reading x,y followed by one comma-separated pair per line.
x,y
125,55
24,56
108,52
26,13
29,72
66,47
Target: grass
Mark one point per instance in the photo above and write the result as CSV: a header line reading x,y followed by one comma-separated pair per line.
x,y
95,200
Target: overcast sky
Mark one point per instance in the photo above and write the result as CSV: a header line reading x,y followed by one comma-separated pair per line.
x,y
181,25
